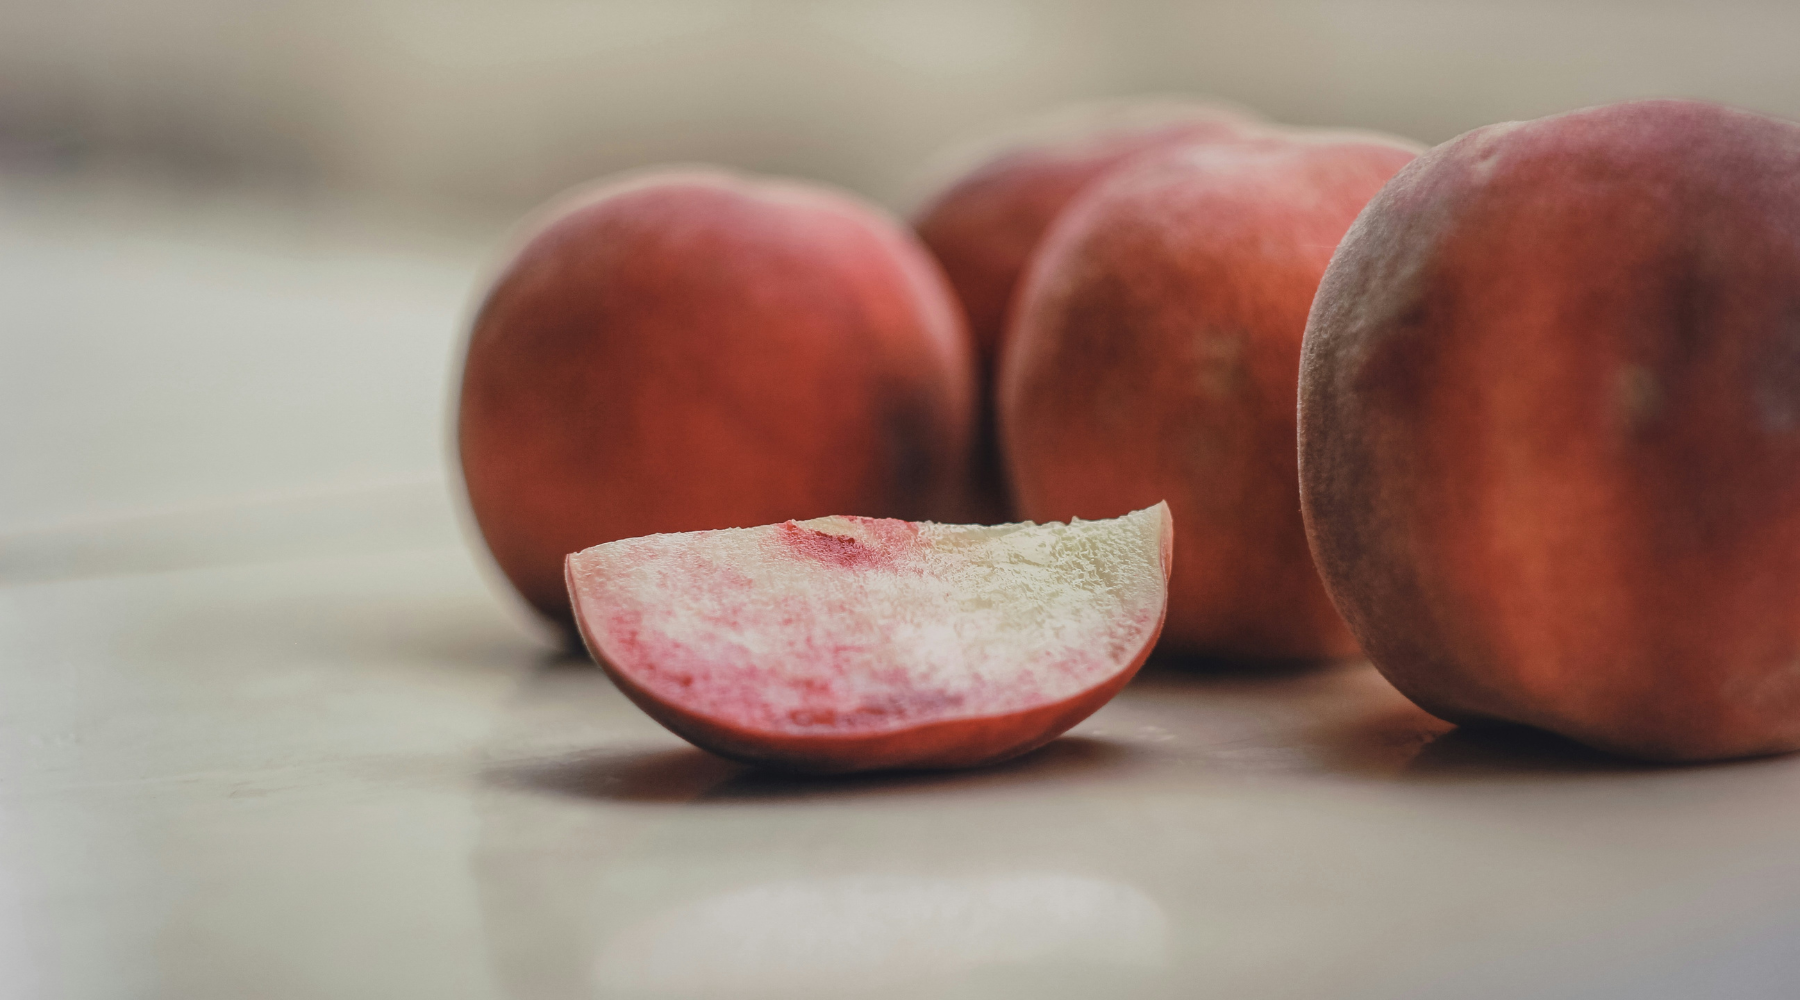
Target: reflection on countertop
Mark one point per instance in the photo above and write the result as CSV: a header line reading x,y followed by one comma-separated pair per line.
x,y
830,937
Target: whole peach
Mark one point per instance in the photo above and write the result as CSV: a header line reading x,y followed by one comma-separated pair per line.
x,y
1154,353
693,350
1550,429
984,225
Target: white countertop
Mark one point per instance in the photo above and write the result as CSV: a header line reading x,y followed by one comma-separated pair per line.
x,y
268,731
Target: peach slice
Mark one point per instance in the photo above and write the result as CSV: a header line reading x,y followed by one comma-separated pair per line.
x,y
854,643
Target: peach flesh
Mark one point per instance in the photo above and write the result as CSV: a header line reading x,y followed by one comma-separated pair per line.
x,y
694,350
1550,429
1154,353
851,643
984,226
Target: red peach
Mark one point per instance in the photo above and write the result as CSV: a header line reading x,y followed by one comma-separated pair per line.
x,y
1550,429
1154,353
985,224
692,350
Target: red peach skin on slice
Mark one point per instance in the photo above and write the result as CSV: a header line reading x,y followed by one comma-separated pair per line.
x,y
851,644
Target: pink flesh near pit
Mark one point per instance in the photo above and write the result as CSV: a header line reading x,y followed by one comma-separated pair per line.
x,y
850,643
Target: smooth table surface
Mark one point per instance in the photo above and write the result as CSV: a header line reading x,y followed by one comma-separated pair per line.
x,y
267,730
354,777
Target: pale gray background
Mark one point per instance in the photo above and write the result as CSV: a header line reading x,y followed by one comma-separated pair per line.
x,y
506,102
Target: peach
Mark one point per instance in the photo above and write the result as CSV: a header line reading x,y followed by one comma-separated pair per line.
x,y
1154,353
852,643
1550,429
984,225
692,350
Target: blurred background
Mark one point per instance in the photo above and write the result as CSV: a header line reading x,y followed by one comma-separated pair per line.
x,y
500,104
239,240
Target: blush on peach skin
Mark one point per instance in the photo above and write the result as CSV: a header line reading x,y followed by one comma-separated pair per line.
x,y
1550,429
984,225
1154,352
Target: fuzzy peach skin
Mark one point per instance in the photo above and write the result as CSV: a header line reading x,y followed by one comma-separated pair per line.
x,y
1154,353
849,643
693,349
1550,429
984,225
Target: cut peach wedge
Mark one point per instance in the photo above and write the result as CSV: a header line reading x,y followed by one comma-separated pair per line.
x,y
851,643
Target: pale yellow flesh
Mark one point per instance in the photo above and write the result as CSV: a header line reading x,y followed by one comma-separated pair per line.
x,y
914,622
